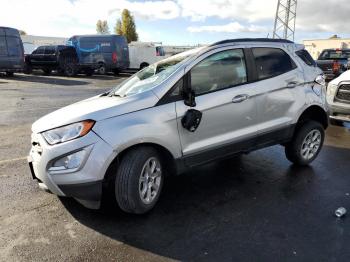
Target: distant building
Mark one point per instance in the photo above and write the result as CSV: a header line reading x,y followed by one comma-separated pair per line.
x,y
43,40
173,50
316,46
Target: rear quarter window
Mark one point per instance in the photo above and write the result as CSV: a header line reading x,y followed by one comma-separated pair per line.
x,y
271,62
306,57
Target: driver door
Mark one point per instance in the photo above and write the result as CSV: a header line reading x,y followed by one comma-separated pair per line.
x,y
227,103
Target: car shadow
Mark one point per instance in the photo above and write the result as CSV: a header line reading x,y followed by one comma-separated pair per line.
x,y
50,80
235,209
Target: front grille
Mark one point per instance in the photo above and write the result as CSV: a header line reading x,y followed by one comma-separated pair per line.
x,y
343,93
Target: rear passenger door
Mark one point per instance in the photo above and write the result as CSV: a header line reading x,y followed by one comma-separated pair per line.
x,y
50,57
280,83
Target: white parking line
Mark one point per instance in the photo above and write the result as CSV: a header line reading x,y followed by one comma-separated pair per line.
x,y
12,160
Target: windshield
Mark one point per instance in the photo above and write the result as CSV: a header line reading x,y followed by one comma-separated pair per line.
x,y
152,75
335,54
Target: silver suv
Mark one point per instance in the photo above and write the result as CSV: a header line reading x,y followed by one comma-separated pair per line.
x,y
231,97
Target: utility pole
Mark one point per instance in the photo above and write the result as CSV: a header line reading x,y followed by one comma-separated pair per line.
x,y
285,19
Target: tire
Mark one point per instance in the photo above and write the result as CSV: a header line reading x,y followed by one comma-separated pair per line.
x,y
89,72
27,69
9,74
47,71
131,194
116,72
306,144
143,65
102,69
69,69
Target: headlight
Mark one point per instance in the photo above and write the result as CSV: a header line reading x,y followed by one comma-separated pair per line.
x,y
69,132
331,90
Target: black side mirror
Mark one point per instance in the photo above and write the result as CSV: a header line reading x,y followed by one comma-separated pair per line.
x,y
189,98
188,94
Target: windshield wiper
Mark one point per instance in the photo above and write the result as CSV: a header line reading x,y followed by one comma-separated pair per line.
x,y
114,94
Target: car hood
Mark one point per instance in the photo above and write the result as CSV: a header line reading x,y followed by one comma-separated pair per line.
x,y
343,77
96,108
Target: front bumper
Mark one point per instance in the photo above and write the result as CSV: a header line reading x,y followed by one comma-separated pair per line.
x,y
339,112
83,183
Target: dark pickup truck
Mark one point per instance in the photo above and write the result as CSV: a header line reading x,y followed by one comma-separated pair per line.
x,y
62,58
334,62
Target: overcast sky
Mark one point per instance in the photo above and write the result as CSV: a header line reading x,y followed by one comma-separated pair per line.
x,y
176,21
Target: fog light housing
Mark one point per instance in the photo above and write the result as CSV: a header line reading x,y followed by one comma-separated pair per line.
x,y
70,162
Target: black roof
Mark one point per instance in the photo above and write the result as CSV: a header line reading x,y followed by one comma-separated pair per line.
x,y
240,40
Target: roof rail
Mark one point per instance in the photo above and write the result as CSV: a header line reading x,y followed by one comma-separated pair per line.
x,y
240,40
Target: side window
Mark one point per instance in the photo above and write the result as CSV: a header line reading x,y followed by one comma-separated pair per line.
x,y
272,62
89,45
306,57
218,71
177,89
3,46
39,50
14,46
50,50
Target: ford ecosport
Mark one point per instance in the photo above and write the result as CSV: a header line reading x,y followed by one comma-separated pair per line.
x,y
209,103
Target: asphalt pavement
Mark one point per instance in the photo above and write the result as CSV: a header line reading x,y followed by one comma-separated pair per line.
x,y
255,207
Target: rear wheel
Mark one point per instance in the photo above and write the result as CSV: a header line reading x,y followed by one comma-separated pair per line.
x,y
306,143
143,65
102,69
139,180
27,69
47,71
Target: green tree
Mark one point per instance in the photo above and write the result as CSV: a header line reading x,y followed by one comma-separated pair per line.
x,y
128,27
118,27
102,27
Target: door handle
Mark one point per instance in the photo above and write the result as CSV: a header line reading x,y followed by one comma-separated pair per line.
x,y
292,84
240,98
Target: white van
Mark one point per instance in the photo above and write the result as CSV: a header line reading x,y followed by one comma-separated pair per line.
x,y
143,54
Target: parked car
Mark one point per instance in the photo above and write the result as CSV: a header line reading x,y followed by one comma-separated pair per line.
x,y
62,58
338,98
106,53
334,62
206,104
144,54
11,51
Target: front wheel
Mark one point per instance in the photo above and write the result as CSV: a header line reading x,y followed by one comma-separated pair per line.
x,y
306,143
139,180
69,69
